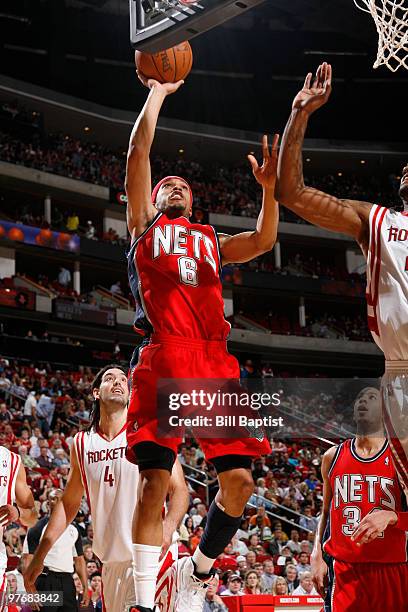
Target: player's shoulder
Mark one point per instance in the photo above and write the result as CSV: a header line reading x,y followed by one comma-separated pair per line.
x,y
330,457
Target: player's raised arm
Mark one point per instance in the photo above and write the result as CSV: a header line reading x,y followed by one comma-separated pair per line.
x,y
319,567
248,245
140,210
346,216
62,516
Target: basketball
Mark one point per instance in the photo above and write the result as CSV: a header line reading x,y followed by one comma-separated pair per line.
x,y
168,66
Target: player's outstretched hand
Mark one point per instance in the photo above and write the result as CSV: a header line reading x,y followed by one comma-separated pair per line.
x,y
8,514
266,174
314,94
30,575
166,88
373,525
319,575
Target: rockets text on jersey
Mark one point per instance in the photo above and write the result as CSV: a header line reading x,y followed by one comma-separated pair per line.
x,y
110,483
174,273
361,486
387,281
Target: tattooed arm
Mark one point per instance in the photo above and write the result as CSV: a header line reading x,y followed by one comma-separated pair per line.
x,y
347,216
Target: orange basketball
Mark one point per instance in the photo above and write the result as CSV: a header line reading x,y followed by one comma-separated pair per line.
x,y
167,66
15,233
2,232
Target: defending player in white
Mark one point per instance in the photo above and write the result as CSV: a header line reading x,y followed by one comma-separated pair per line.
x,y
16,504
382,235
100,470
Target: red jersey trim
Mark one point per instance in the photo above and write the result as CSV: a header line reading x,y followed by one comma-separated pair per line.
x,y
378,256
102,435
12,472
153,221
372,249
336,456
80,443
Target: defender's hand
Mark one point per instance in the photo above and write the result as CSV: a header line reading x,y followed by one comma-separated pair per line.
x,y
319,575
373,525
266,174
31,574
8,514
314,95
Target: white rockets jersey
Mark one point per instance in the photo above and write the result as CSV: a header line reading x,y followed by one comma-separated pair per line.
x,y
110,482
9,465
387,281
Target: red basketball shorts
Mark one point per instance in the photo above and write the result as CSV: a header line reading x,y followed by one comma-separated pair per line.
x,y
168,357
368,587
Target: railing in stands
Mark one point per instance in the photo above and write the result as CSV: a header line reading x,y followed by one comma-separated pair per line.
x,y
265,501
114,297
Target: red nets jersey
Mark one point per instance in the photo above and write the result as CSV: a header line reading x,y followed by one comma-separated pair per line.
x,y
361,486
174,273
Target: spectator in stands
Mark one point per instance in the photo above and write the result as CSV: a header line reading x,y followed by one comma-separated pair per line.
x,y
243,531
260,519
238,546
30,404
91,568
5,414
252,583
303,562
308,521
242,565
196,537
4,381
201,513
253,542
213,602
291,575
73,222
276,543
61,458
116,288
96,590
306,585
294,543
90,231
43,460
234,586
268,577
64,277
280,587
250,559
27,461
44,412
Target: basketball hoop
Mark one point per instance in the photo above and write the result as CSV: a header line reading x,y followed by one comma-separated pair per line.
x,y
391,20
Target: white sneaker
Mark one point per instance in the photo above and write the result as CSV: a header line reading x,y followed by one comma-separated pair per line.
x,y
190,589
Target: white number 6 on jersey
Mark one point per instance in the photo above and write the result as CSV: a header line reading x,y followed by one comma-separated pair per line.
x,y
188,271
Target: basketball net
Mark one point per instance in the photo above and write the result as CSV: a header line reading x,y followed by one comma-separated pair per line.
x,y
391,20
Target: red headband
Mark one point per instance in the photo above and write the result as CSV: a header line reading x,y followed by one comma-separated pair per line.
x,y
167,178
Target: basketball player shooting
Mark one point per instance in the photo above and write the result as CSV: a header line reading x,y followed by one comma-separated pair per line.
x,y
382,235
174,273
100,470
359,479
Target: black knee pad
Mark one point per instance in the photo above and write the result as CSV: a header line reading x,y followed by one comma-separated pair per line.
x,y
152,456
231,462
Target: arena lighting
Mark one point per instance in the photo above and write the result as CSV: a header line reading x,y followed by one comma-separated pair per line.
x,y
159,24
